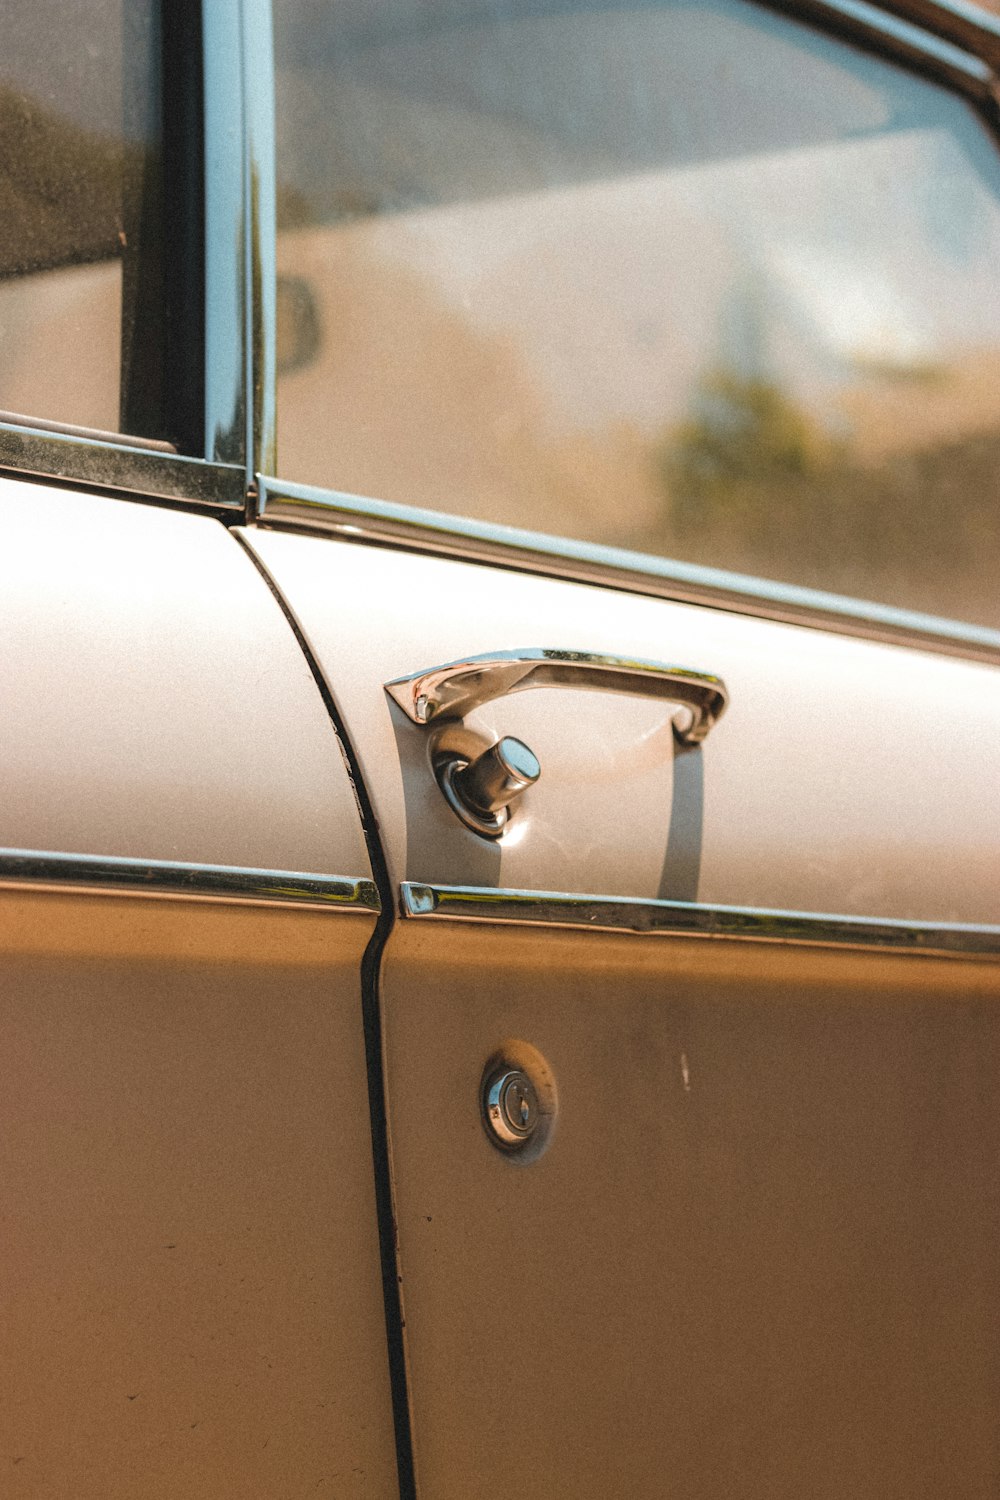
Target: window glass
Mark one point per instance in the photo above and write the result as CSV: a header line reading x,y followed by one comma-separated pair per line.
x,y
687,277
80,210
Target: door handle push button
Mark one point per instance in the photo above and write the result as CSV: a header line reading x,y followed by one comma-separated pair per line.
x,y
482,791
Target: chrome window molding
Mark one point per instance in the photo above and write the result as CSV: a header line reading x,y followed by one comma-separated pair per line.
x,y
145,471
259,239
227,314
687,919
289,507
150,877
15,421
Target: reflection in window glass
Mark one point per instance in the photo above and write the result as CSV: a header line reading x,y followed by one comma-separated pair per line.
x,y
685,277
79,210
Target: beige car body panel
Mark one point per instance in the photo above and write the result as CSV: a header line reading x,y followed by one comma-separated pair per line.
x,y
754,1256
189,1234
845,777
156,703
757,1257
188,1241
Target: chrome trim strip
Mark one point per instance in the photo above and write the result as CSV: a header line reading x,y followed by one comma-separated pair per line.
x,y
154,877
458,687
292,507
120,466
687,919
92,434
260,229
226,315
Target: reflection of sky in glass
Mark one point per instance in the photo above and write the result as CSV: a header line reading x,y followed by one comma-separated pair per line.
x,y
801,265
862,315
546,251
521,100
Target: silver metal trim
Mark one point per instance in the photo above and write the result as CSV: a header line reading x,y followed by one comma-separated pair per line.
x,y
292,507
108,465
153,877
227,334
260,231
92,434
456,688
687,919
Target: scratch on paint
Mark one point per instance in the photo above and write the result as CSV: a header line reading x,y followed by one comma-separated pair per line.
x,y
685,1073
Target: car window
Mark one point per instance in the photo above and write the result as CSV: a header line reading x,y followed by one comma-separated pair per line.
x,y
80,208
687,277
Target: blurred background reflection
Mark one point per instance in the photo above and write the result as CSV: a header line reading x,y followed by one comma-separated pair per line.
x,y
686,277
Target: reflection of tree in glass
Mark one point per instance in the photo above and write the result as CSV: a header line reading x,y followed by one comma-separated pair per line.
x,y
753,482
746,433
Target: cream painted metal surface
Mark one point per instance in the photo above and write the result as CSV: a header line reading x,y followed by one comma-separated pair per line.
x,y
155,703
757,1260
753,1254
193,1298
846,776
192,1302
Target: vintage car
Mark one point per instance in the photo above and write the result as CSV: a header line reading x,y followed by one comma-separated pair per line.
x,y
500,940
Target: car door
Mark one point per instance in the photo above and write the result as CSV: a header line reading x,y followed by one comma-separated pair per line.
x,y
193,1282
190,1240
690,1058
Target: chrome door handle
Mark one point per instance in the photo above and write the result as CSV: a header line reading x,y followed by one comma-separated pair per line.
x,y
456,688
